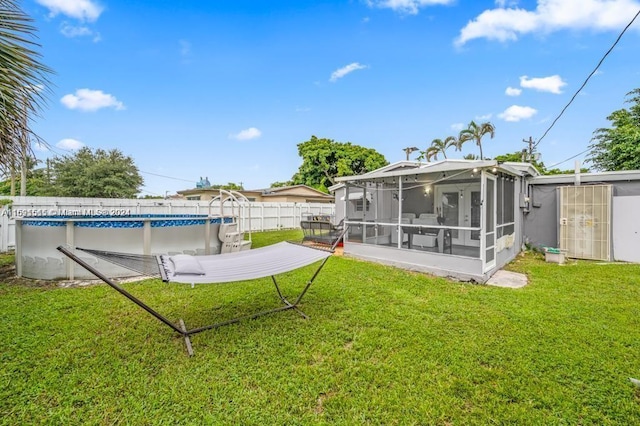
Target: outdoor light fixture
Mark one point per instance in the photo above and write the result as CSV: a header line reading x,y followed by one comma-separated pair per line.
x,y
475,170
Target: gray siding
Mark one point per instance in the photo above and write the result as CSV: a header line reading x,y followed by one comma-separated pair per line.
x,y
542,222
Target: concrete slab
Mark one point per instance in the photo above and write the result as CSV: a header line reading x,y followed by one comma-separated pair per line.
x,y
508,279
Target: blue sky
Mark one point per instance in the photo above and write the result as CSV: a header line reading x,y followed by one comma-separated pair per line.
x,y
226,89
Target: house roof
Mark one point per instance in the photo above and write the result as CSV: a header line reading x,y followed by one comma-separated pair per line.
x,y
301,190
520,168
293,190
405,168
598,177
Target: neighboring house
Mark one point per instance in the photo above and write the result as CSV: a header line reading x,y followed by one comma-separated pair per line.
x,y
285,194
468,218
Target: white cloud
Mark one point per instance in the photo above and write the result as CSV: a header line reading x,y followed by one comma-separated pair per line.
x,y
457,126
410,7
339,73
505,3
247,134
83,10
69,144
513,91
483,118
516,113
507,24
551,84
72,31
91,100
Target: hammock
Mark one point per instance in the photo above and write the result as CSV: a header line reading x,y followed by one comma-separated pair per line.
x,y
222,268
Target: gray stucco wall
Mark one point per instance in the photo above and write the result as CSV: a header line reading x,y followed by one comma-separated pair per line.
x,y
626,189
542,222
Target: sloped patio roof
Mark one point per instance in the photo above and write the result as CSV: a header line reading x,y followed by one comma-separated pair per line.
x,y
410,168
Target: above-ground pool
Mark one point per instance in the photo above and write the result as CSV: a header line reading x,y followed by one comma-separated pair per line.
x,y
37,238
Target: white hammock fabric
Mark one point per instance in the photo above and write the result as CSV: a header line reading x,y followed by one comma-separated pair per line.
x,y
221,268
244,265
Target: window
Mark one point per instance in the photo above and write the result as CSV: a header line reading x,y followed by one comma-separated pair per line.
x,y
194,198
360,204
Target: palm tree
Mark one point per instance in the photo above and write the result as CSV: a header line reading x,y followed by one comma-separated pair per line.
x,y
438,146
23,83
430,153
443,145
475,132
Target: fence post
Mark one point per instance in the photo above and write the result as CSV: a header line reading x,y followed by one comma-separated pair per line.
x,y
70,243
18,247
4,231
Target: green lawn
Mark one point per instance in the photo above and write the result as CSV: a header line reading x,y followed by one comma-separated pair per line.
x,y
382,346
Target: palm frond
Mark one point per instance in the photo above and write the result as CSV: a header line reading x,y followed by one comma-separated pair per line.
x,y
24,83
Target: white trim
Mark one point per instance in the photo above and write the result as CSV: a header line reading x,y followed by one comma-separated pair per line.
x,y
488,265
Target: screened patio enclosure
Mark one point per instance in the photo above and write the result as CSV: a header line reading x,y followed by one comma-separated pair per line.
x,y
455,218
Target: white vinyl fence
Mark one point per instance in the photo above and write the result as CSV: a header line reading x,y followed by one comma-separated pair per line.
x,y
253,216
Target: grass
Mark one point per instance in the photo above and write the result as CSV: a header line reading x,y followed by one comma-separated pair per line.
x,y
382,346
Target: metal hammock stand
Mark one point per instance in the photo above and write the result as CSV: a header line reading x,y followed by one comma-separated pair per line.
x,y
290,258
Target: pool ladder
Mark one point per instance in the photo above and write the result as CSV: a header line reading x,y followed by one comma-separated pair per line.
x,y
232,240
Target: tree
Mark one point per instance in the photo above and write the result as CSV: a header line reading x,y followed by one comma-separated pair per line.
x,y
324,159
23,83
439,146
475,133
37,180
430,153
108,174
231,186
618,147
280,184
516,157
539,165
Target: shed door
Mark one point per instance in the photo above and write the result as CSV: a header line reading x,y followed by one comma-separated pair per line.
x,y
626,229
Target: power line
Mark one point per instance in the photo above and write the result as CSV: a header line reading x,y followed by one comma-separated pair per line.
x,y
570,158
55,151
587,79
166,177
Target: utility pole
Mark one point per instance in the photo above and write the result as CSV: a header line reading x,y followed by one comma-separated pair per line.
x,y
527,153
